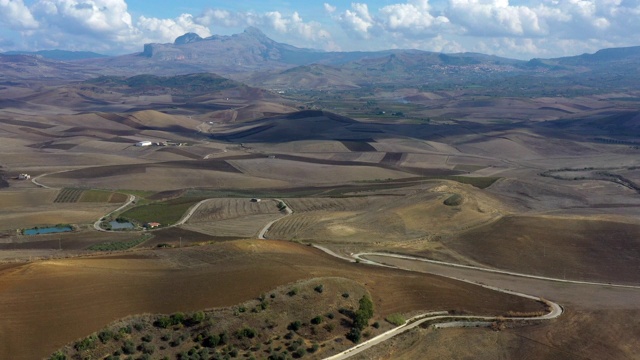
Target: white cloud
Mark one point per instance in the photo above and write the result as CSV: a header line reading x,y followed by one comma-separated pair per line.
x,y
167,30
413,17
108,19
507,27
357,20
293,25
495,18
16,15
329,8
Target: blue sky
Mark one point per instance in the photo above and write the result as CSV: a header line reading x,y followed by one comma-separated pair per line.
x,y
513,28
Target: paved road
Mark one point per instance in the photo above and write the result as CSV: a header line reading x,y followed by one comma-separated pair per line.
x,y
266,228
555,309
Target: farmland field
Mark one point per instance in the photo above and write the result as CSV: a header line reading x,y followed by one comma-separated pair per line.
x,y
165,212
68,195
233,217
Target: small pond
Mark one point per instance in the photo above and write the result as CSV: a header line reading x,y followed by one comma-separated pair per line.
x,y
47,230
121,225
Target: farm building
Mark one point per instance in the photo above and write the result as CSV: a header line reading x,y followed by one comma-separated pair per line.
x,y
24,177
152,225
256,200
144,143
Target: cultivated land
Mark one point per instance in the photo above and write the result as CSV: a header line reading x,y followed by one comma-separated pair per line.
x,y
540,184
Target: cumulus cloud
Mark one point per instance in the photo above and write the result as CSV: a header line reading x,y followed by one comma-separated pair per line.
x,y
16,15
106,19
166,30
357,20
506,27
329,8
292,25
413,17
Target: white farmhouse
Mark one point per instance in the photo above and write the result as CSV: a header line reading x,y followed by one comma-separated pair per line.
x,y
144,143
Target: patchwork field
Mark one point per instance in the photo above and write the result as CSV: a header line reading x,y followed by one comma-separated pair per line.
x,y
37,207
457,177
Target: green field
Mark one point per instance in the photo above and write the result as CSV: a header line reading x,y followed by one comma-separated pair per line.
x,y
165,212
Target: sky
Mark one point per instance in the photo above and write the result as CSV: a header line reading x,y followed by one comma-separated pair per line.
x,y
521,29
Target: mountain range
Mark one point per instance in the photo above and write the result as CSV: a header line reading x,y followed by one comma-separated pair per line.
x,y
253,58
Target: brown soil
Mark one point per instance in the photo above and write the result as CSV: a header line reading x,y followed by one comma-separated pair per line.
x,y
576,249
83,295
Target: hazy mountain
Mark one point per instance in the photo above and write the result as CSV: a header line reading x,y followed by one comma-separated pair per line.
x,y
62,55
253,58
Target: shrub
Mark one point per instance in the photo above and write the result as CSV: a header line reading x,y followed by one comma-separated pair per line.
x,y
105,336
58,356
147,338
293,292
86,343
246,332
224,338
197,317
354,335
300,352
345,295
177,318
376,325
317,320
295,326
163,322
319,289
211,341
147,348
128,348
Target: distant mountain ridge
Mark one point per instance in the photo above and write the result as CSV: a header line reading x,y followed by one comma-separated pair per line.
x,y
62,55
253,58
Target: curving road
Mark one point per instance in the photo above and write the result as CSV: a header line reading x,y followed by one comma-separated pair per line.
x,y
266,228
555,309
495,271
189,213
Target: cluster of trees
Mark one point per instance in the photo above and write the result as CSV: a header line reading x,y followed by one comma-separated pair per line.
x,y
361,318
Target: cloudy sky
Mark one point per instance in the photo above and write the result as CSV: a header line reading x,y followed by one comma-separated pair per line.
x,y
513,28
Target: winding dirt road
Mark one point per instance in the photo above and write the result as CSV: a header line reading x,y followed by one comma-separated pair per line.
x,y
554,312
266,228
